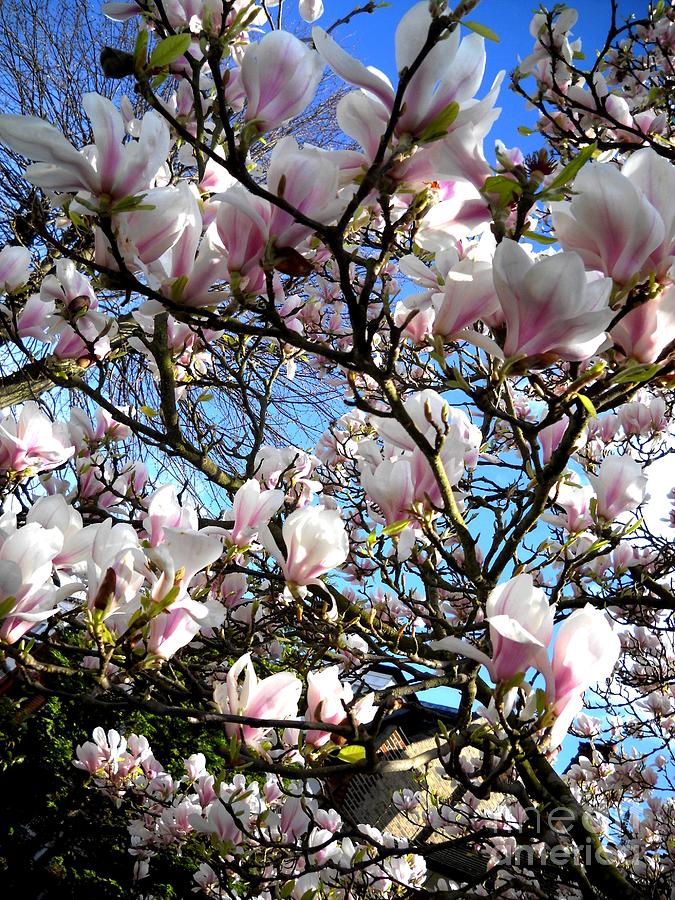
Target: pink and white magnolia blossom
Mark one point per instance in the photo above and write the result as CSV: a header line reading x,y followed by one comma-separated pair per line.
x,y
107,168
243,226
432,278
66,311
107,430
460,211
550,308
604,429
251,509
549,437
316,542
56,512
164,510
27,592
390,485
521,627
231,588
116,571
327,698
290,466
557,37
224,819
216,178
433,417
280,76
249,227
636,417
644,415
193,263
450,73
575,499
197,15
275,697
32,443
105,751
415,315
175,627
179,557
620,486
469,295
585,651
648,329
307,178
621,222
439,423
14,267
149,233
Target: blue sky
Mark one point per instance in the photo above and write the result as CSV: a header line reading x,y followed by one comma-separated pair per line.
x,y
371,39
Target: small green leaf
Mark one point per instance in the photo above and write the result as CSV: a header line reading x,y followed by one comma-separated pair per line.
x,y
636,374
572,169
539,238
495,183
632,528
438,128
7,606
507,189
587,404
597,546
515,681
524,130
167,600
127,204
77,221
141,49
352,754
168,50
482,30
461,381
395,528
178,287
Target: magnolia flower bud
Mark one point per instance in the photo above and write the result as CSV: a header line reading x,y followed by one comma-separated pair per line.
x,y
310,10
521,626
14,267
585,651
620,486
280,76
316,541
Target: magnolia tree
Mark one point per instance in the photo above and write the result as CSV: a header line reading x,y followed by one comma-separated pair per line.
x,y
471,517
